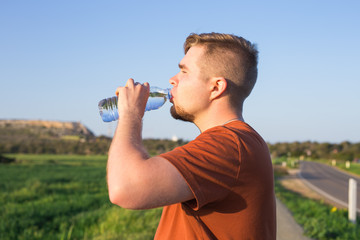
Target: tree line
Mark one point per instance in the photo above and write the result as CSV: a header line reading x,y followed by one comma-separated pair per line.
x,y
346,151
100,145
91,146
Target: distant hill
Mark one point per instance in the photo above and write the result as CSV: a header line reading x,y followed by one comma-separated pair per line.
x,y
38,136
43,129
55,137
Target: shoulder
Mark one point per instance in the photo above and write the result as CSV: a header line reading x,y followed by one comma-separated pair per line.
x,y
237,132
213,147
217,140
246,134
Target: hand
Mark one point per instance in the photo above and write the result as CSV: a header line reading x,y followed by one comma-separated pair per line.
x,y
132,99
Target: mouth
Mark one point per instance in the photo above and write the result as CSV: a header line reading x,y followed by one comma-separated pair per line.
x,y
171,98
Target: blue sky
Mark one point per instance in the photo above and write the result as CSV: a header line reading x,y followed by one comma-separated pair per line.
x,y
59,58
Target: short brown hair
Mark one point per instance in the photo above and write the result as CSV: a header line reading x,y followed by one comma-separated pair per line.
x,y
228,56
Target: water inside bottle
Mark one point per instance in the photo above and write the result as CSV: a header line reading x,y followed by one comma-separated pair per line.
x,y
156,100
108,109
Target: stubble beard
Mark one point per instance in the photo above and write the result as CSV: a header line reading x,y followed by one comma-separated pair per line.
x,y
179,113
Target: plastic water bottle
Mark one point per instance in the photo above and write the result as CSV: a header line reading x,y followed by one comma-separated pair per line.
x,y
108,106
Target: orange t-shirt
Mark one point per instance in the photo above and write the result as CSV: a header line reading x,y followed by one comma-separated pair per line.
x,y
229,170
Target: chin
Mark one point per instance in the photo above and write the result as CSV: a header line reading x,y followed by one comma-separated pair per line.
x,y
179,113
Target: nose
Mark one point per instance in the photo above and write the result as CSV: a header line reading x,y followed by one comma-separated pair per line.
x,y
173,81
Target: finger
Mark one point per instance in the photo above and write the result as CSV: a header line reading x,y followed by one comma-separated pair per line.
x,y
117,91
147,86
130,83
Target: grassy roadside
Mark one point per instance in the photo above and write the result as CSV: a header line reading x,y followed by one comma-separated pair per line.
x,y
319,220
352,168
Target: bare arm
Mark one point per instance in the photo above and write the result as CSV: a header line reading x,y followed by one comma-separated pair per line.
x,y
134,180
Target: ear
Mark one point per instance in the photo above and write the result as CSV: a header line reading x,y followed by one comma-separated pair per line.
x,y
218,87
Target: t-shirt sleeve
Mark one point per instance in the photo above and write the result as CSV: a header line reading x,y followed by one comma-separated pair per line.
x,y
210,165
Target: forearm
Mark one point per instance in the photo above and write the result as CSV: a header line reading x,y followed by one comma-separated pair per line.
x,y
127,140
126,155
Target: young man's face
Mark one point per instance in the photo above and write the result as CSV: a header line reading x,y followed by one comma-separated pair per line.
x,y
190,90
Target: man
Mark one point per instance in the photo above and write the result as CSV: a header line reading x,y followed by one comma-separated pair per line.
x,y
218,186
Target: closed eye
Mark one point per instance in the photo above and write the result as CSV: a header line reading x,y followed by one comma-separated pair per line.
x,y
182,67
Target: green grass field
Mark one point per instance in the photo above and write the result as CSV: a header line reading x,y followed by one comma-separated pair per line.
x,y
65,197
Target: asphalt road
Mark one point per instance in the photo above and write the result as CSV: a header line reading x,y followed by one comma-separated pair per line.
x,y
329,182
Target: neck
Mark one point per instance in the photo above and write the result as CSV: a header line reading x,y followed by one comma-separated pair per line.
x,y
218,113
231,120
217,119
